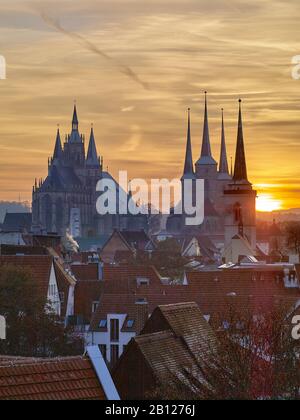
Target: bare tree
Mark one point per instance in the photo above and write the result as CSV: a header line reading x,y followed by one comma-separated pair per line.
x,y
257,358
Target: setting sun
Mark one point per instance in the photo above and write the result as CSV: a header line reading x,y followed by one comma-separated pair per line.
x,y
266,203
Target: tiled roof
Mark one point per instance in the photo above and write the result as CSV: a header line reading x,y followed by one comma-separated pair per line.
x,y
85,272
165,353
216,293
70,378
175,338
187,321
22,249
39,266
86,292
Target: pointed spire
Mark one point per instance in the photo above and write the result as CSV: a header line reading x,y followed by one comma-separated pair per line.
x,y
92,156
75,119
223,169
189,165
240,168
206,155
75,136
58,148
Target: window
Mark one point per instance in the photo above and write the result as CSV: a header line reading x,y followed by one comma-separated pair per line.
x,y
103,350
142,281
94,307
114,330
141,301
130,323
114,354
52,290
103,323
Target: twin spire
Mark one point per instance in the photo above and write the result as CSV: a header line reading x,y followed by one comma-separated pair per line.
x,y
92,159
189,163
206,158
240,168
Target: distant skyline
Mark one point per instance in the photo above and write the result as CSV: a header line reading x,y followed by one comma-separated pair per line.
x,y
134,69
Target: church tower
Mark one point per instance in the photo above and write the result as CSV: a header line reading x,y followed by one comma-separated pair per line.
x,y
240,198
74,150
206,166
188,172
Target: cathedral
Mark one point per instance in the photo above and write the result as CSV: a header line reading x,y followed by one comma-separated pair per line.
x,y
230,201
67,198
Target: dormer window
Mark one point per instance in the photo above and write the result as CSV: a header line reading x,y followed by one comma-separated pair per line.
x,y
141,301
130,323
103,323
142,281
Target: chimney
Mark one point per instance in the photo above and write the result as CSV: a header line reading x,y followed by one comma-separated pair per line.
x,y
2,328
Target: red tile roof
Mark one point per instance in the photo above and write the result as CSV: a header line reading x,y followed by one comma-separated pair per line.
x,y
57,379
216,293
39,266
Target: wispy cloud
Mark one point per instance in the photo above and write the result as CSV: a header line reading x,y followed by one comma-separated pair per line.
x,y
126,70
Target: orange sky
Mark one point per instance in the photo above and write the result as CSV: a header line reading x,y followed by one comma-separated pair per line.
x,y
179,48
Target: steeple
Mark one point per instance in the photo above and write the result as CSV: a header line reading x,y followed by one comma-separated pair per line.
x,y
92,157
189,165
206,155
75,119
223,168
75,136
58,148
240,168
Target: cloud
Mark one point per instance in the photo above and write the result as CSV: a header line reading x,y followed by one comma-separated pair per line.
x,y
128,109
88,45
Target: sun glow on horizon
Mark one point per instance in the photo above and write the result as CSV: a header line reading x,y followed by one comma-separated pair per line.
x,y
266,203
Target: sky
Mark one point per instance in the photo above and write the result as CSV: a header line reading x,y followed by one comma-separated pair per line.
x,y
134,68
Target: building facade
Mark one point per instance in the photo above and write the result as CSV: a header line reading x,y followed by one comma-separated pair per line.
x,y
67,198
230,200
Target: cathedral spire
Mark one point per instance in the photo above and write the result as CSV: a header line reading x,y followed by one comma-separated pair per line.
x,y
75,119
206,155
92,157
189,165
223,169
75,136
240,168
58,148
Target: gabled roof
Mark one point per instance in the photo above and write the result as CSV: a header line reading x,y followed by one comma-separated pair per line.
x,y
69,378
175,339
17,222
187,322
